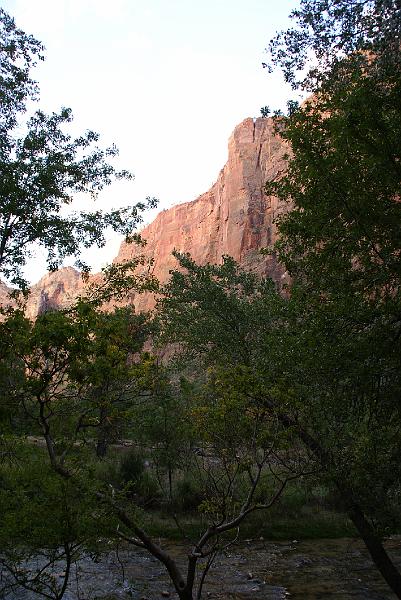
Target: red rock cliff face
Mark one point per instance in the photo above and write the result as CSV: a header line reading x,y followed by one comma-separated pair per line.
x,y
4,296
54,290
233,218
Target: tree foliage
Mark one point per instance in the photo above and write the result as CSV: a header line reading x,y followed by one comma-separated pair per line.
x,y
344,182
43,168
341,244
327,31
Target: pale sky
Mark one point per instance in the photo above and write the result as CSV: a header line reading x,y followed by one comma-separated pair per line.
x,y
165,80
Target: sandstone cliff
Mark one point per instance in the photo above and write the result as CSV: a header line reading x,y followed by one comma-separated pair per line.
x,y
54,290
233,218
4,295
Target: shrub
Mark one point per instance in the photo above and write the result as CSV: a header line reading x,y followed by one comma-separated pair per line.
x,y
132,466
148,489
188,493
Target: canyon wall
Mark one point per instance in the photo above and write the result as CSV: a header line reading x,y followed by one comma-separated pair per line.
x,y
233,218
54,290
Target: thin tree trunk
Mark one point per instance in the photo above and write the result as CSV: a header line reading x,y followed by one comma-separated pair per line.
x,y
68,560
170,483
373,543
104,433
186,595
376,550
101,446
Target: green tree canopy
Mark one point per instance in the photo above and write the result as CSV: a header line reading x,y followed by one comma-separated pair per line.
x,y
326,370
341,243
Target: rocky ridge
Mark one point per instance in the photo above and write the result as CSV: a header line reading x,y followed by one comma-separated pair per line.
x,y
233,218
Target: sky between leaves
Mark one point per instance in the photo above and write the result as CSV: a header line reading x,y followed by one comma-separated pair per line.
x,y
166,80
